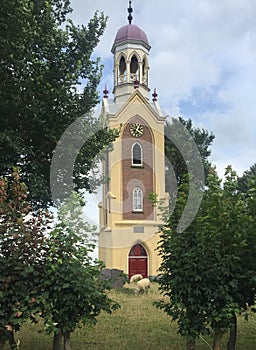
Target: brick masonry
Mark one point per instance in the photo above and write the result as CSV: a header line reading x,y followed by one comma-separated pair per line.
x,y
133,176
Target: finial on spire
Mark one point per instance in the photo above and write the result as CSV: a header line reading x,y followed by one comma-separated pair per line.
x,y
130,10
105,92
154,95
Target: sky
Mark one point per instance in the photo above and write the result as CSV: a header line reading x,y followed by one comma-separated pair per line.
x,y
202,63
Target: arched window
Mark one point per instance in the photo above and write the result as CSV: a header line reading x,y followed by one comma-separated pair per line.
x,y
122,70
136,154
134,68
137,199
138,250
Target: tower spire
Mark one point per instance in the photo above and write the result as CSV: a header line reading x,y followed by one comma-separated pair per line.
x,y
130,10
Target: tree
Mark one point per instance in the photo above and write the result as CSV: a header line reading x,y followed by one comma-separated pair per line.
x,y
22,253
243,180
245,270
45,60
176,165
182,270
208,271
232,222
73,292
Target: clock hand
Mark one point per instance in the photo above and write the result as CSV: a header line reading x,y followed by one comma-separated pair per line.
x,y
138,129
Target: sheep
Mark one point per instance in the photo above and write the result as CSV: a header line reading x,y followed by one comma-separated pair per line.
x,y
142,286
136,278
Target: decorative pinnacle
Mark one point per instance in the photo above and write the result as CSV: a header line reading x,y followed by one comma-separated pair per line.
x,y
130,10
105,92
154,95
136,83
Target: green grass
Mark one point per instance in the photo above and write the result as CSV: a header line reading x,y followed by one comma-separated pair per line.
x,y
137,325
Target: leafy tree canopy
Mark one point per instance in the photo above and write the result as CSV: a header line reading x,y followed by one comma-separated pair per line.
x,y
48,80
47,272
74,293
176,165
243,180
23,249
208,270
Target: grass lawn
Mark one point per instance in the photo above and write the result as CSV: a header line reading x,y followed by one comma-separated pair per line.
x,y
137,325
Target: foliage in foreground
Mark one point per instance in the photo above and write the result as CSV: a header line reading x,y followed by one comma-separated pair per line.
x,y
46,273
136,324
48,80
73,292
208,271
22,252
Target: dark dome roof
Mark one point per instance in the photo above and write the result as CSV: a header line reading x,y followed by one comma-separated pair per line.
x,y
132,33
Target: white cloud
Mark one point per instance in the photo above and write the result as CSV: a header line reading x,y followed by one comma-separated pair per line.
x,y
202,61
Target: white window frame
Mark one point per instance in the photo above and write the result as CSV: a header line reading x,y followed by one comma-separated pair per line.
x,y
137,198
141,155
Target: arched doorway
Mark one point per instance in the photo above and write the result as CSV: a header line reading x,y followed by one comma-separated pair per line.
x,y
138,261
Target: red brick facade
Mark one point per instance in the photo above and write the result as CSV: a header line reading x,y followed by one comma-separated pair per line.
x,y
137,176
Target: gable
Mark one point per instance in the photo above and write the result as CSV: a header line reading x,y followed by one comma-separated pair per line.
x,y
136,104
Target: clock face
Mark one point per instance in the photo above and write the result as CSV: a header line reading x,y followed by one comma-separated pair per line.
x,y
136,130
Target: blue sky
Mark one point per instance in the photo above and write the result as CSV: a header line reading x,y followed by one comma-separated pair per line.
x,y
202,63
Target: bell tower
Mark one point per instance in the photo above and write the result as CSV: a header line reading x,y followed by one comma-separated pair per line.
x,y
129,216
131,50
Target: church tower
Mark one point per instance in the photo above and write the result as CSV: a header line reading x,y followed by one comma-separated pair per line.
x,y
129,216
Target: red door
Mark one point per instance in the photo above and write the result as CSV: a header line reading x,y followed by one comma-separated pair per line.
x,y
138,261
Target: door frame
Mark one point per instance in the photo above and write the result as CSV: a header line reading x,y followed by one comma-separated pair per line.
x,y
139,257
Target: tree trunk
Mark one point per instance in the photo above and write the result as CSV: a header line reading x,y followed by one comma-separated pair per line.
x,y
57,341
12,341
217,341
67,341
2,340
191,344
231,345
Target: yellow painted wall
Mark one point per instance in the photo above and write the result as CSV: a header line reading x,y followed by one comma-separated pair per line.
x,y
117,237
